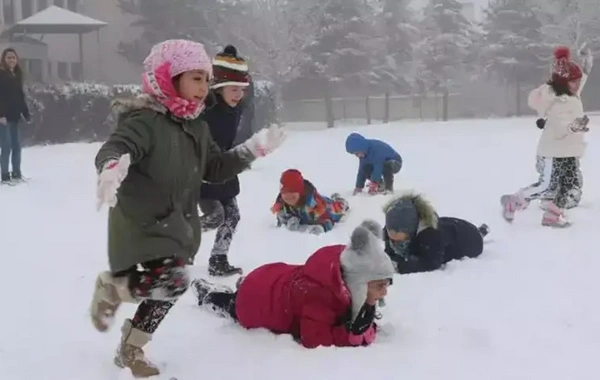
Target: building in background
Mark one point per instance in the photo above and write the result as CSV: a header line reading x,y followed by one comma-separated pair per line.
x,y
52,58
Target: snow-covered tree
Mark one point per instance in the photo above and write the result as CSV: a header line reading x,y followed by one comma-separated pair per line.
x,y
393,63
570,22
274,34
512,49
160,20
444,48
339,51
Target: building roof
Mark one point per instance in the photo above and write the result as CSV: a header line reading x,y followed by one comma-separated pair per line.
x,y
56,20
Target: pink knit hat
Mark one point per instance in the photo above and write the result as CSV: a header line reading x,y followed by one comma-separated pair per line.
x,y
167,60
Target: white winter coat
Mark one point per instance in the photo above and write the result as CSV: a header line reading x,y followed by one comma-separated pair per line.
x,y
557,139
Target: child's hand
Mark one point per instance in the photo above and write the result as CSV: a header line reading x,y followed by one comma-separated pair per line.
x,y
315,229
293,224
373,188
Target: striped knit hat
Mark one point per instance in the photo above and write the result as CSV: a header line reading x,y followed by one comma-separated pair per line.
x,y
229,69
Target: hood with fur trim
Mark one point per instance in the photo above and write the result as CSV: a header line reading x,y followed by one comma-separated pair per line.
x,y
427,215
122,107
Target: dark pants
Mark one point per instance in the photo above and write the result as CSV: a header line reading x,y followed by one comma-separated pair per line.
x,y
223,216
158,284
390,168
10,149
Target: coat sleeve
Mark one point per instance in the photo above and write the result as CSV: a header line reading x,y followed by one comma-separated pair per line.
x,y
318,327
383,152
361,177
431,253
223,166
133,136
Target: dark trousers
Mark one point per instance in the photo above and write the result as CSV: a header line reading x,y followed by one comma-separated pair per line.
x,y
10,149
223,216
158,284
390,168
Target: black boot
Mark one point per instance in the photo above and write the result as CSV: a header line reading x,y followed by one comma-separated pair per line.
x,y
5,179
218,265
484,229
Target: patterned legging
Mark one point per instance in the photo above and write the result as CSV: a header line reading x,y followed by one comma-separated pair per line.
x,y
221,215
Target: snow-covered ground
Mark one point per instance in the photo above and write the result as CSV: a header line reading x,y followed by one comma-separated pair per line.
x,y
526,309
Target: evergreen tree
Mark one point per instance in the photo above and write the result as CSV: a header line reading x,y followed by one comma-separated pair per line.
x,y
161,20
393,62
446,37
339,52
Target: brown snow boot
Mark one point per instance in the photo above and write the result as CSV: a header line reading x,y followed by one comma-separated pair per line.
x,y
130,353
109,293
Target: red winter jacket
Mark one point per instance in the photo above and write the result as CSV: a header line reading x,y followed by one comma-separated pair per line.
x,y
309,301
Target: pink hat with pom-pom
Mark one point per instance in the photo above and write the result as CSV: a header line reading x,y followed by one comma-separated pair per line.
x,y
165,61
563,69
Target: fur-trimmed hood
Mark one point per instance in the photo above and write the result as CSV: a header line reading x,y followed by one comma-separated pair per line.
x,y
425,211
121,107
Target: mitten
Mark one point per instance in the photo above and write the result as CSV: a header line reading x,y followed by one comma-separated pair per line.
x,y
109,180
315,229
265,141
364,320
580,124
541,123
373,188
293,224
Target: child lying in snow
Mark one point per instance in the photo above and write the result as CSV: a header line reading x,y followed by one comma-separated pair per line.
x,y
300,207
328,301
417,240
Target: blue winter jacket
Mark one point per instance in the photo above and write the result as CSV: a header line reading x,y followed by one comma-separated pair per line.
x,y
376,153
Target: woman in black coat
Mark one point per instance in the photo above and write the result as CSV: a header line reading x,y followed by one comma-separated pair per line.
x,y
223,113
12,109
417,240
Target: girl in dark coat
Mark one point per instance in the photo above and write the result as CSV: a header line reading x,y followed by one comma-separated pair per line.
x,y
224,111
418,240
12,108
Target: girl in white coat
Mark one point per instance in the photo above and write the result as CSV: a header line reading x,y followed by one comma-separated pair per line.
x,y
561,144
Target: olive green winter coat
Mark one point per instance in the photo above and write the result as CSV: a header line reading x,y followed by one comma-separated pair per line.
x,y
156,215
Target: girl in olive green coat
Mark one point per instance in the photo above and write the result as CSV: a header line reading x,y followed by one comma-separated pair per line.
x,y
150,173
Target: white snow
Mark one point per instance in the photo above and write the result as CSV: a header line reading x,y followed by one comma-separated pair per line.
x,y
526,309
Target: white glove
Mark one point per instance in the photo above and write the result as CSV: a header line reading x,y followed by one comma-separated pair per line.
x,y
587,58
266,141
109,180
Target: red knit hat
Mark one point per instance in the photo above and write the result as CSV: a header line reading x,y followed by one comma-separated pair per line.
x,y
563,69
292,182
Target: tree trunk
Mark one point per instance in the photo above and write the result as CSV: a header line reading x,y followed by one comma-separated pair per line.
x,y
368,109
328,105
518,97
445,104
386,110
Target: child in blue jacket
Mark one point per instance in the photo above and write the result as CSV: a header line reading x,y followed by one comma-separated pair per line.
x,y
376,160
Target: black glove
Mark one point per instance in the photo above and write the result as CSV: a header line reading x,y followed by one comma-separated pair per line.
x,y
363,321
541,123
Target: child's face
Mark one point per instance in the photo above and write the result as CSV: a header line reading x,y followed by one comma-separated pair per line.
x,y
193,86
376,290
360,154
290,198
397,236
232,95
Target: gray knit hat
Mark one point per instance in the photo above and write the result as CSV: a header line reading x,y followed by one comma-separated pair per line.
x,y
402,216
364,260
